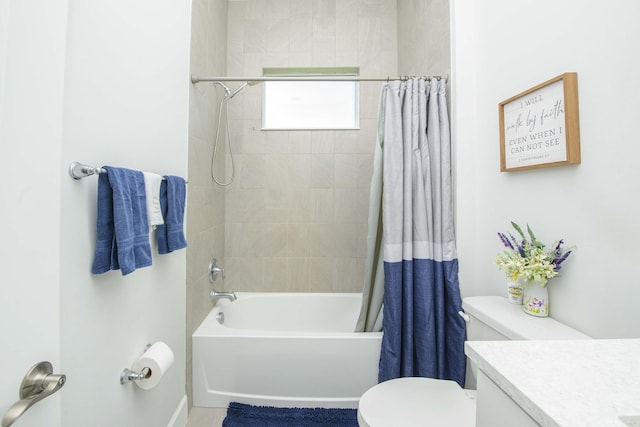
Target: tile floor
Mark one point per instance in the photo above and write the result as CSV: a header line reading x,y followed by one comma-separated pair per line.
x,y
206,417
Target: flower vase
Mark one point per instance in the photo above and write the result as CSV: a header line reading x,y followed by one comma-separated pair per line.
x,y
514,292
536,299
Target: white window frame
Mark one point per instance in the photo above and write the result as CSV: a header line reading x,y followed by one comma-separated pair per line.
x,y
294,112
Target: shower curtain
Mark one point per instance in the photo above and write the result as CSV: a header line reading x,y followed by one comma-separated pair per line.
x,y
411,205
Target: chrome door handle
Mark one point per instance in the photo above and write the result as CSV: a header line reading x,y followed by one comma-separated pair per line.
x,y
38,383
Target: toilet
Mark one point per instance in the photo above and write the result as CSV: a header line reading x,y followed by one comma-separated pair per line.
x,y
413,401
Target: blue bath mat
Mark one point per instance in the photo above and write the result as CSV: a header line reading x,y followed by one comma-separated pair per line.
x,y
241,415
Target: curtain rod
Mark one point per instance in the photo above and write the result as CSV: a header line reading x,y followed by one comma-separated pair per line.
x,y
330,78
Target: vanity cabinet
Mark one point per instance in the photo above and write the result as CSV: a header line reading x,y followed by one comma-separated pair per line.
x,y
495,409
568,383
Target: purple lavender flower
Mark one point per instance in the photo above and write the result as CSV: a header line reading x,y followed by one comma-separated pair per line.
x,y
560,260
560,242
505,241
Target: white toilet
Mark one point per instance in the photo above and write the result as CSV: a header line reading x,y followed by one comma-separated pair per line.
x,y
409,402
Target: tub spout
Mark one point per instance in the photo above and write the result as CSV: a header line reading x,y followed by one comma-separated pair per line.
x,y
215,296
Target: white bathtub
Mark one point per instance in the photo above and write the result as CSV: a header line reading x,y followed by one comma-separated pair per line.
x,y
284,349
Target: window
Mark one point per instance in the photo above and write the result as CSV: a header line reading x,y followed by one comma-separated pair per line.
x,y
310,105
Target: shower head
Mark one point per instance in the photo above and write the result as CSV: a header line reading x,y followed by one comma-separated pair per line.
x,y
228,93
242,86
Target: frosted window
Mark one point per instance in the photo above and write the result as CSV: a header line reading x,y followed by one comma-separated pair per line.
x,y
310,105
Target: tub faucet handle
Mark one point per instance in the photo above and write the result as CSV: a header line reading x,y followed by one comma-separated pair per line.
x,y
214,270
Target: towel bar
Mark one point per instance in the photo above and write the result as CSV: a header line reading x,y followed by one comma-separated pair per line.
x,y
79,170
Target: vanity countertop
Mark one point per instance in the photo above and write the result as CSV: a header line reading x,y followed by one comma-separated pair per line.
x,y
566,383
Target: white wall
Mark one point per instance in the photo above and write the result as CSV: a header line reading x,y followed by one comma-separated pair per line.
x,y
501,48
32,52
125,104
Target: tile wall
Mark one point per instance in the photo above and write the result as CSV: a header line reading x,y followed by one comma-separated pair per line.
x,y
205,202
296,213
424,23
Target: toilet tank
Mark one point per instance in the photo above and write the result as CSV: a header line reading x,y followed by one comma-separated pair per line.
x,y
493,318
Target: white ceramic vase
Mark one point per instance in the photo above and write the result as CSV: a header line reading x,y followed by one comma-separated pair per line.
x,y
535,299
514,292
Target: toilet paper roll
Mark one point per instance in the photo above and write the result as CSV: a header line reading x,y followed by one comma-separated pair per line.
x,y
158,358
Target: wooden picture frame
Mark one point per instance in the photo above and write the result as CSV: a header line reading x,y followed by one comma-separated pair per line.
x,y
540,127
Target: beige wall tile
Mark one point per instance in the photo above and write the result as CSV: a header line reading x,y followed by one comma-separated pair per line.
x,y
300,141
278,37
322,240
346,170
365,170
275,274
322,141
324,8
322,205
277,142
245,205
251,170
256,9
276,205
299,208
299,170
321,275
322,171
344,240
300,8
301,33
301,58
277,9
369,102
298,241
298,275
205,204
346,277
346,141
244,240
275,240
307,191
345,208
244,274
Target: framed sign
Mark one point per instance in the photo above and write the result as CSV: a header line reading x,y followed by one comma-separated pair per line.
x,y
539,127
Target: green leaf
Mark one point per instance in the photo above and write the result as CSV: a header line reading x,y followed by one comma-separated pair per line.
x,y
518,229
530,231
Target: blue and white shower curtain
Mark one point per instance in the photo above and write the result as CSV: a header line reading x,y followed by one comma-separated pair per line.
x,y
423,333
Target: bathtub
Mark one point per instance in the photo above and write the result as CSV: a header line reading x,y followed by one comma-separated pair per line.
x,y
284,349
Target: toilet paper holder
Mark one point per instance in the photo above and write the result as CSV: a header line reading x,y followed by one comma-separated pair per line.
x,y
129,375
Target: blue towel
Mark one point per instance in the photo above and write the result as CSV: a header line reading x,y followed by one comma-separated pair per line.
x,y
173,192
122,227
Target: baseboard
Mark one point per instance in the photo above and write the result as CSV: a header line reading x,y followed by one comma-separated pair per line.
x,y
180,416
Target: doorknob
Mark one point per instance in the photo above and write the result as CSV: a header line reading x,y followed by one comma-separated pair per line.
x,y
38,383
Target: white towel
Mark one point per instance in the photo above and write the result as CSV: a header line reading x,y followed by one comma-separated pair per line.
x,y
152,183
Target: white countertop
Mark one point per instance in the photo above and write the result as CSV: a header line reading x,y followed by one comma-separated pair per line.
x,y
565,383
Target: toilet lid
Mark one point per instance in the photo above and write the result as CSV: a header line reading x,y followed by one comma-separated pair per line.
x,y
416,402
